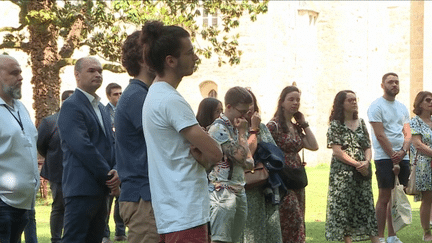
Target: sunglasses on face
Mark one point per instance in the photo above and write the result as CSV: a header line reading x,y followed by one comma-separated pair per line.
x,y
428,100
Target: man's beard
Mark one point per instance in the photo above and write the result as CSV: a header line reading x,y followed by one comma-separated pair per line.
x,y
391,93
14,92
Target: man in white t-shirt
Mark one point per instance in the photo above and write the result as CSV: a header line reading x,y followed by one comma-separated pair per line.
x,y
391,139
179,151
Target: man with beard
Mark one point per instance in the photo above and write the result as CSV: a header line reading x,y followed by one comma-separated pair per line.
x,y
391,139
179,151
19,175
87,143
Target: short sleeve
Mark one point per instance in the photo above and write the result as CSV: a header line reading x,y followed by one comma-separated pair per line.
x,y
219,133
365,141
179,113
273,129
334,134
415,126
374,113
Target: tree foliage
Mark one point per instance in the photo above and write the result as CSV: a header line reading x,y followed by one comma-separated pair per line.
x,y
50,31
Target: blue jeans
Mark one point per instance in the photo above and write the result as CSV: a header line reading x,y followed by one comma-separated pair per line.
x,y
12,223
57,212
30,229
119,224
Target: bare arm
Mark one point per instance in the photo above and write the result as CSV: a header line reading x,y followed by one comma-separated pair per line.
x,y
385,144
204,148
420,146
255,127
309,141
344,157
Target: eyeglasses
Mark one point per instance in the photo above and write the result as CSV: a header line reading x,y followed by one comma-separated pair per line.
x,y
244,112
428,100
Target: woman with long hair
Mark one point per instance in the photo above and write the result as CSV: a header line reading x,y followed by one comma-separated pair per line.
x,y
208,110
350,205
421,154
263,221
291,133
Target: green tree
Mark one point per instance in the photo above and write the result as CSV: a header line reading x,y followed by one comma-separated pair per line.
x,y
50,31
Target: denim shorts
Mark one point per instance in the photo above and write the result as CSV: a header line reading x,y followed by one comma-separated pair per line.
x,y
385,175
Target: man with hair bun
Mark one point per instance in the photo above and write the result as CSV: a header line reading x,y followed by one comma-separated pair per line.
x,y
131,150
179,151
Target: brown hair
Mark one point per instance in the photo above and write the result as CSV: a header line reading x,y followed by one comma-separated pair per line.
x,y
418,100
279,111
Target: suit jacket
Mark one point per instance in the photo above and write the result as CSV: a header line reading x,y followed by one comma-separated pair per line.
x,y
88,151
48,145
111,112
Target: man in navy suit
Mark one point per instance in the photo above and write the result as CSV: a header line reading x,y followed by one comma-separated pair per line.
x,y
113,92
48,145
88,156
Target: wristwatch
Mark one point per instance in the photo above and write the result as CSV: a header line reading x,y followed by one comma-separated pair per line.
x,y
405,151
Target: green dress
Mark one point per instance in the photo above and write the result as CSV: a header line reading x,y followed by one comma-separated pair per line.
x,y
350,205
263,221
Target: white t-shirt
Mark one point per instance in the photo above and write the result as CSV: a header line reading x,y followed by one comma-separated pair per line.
x,y
393,115
178,183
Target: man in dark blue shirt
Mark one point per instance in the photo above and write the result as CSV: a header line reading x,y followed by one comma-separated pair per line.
x,y
131,151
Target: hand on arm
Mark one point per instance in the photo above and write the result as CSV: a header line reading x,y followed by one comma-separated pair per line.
x,y
204,148
385,143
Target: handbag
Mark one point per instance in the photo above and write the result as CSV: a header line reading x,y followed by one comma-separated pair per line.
x,y
411,188
268,159
400,207
294,178
257,176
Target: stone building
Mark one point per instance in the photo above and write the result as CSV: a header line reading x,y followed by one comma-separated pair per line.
x,y
323,47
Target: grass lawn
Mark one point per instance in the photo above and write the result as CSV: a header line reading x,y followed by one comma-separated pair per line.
x,y
316,200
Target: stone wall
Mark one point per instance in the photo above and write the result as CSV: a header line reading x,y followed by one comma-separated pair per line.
x,y
324,47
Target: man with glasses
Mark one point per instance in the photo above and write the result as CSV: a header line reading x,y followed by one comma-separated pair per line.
x,y
228,200
391,139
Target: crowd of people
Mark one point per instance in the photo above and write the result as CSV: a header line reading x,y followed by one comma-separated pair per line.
x,y
177,177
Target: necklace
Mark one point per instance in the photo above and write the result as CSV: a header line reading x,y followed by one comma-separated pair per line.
x,y
17,119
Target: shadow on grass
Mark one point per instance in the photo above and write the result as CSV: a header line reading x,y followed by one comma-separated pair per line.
x,y
315,231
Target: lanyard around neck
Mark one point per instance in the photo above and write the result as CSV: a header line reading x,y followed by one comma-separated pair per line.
x,y
17,119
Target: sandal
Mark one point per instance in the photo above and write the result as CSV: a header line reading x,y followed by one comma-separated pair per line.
x,y
428,233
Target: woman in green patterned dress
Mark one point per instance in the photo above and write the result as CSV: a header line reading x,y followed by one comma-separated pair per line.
x,y
350,206
263,221
421,131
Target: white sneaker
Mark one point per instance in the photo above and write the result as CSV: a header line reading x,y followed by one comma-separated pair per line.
x,y
381,240
393,239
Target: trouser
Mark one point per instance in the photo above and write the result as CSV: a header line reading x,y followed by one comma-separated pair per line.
x,y
119,224
57,212
12,223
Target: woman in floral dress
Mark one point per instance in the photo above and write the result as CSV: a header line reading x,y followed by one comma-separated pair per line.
x,y
263,221
421,153
291,138
350,205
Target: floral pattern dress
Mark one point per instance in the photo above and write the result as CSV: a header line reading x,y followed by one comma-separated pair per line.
x,y
423,162
350,205
263,221
292,207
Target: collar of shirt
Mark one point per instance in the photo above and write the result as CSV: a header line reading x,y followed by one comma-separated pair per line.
x,y
112,106
2,102
94,100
